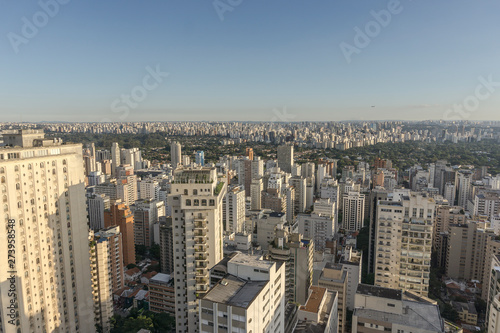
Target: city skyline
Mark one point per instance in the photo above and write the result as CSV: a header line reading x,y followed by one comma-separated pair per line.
x,y
247,62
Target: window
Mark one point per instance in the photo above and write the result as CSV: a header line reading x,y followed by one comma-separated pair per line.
x,y
188,202
2,180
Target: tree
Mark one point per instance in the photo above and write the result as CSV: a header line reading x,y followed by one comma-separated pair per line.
x,y
448,312
132,325
131,265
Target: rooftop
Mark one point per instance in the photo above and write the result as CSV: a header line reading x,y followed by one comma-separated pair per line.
x,y
251,260
234,291
366,289
314,301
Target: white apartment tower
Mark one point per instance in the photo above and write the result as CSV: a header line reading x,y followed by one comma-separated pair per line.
x,y
115,158
353,213
234,210
196,202
404,243
45,245
175,154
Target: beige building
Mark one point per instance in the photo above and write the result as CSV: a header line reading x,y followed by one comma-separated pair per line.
x,y
445,216
196,204
106,259
403,243
319,313
250,298
494,315
467,246
162,294
297,254
45,245
334,278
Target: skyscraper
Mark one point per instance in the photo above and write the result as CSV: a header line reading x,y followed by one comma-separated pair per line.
x,y
115,158
45,245
106,258
175,154
200,158
404,243
196,202
120,214
285,158
353,213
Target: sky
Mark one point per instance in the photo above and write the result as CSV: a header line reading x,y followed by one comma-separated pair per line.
x,y
256,60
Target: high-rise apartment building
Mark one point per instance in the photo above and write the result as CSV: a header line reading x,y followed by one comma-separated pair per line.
x,y
166,245
106,258
175,154
146,213
404,243
353,211
297,254
464,181
199,158
319,228
334,278
285,158
115,158
45,278
196,202
120,214
96,205
234,210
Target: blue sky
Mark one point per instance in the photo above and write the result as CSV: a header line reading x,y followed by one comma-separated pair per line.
x,y
262,58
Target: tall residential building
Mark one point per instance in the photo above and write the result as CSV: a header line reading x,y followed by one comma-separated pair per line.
x,y
175,154
285,158
256,188
115,158
120,214
300,186
467,245
233,214
351,261
107,272
146,213
199,158
464,181
353,211
392,310
96,205
297,254
149,189
404,243
166,245
45,278
319,228
445,216
196,202
249,153
334,278
487,204
249,298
